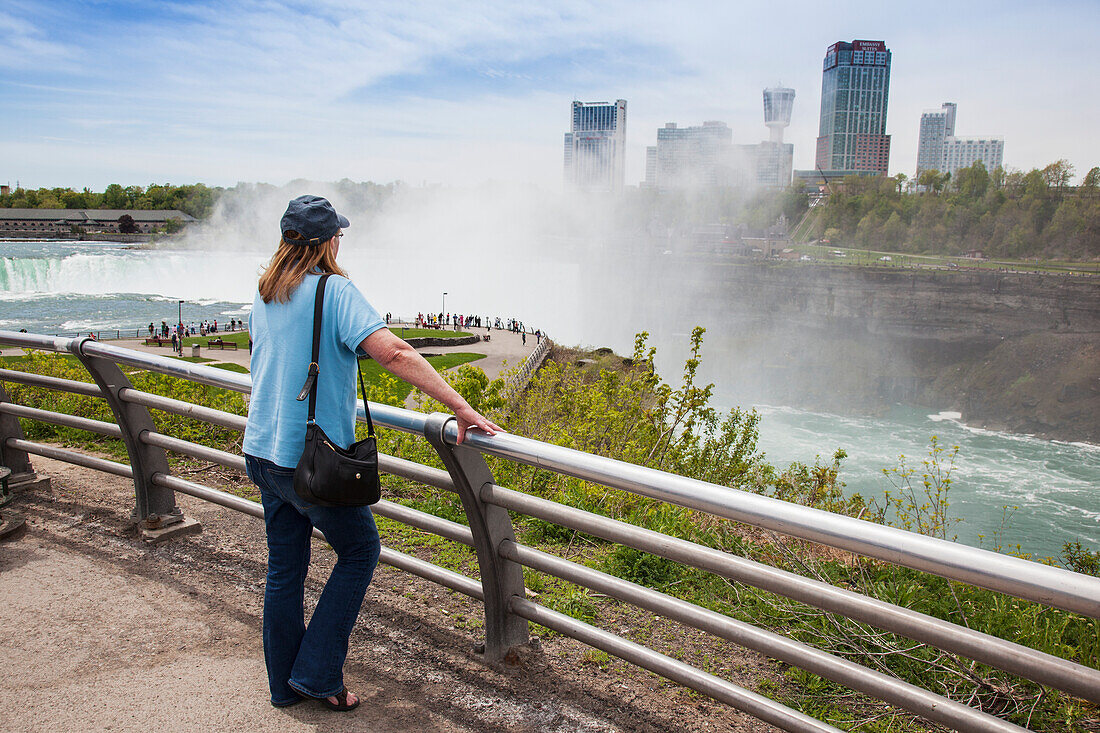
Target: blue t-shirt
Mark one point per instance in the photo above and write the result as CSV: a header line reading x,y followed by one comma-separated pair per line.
x,y
282,343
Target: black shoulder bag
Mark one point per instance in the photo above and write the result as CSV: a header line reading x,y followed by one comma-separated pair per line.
x,y
326,474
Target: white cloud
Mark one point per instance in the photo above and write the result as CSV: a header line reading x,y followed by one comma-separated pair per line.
x,y
24,45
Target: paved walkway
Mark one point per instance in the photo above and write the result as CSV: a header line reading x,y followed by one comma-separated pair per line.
x,y
101,631
503,350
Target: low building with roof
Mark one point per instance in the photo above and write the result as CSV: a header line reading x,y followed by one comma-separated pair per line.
x,y
50,223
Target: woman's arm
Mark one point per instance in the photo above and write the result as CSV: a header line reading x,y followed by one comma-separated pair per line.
x,y
397,357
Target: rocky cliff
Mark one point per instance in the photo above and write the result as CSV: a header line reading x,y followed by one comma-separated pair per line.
x,y
1014,351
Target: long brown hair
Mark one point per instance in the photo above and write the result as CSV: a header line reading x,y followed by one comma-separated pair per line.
x,y
291,263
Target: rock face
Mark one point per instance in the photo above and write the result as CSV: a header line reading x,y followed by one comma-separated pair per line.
x,y
1014,351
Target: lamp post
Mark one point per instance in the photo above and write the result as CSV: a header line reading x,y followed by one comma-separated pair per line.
x,y
179,327
444,313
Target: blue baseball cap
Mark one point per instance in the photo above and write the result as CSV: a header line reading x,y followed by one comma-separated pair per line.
x,y
312,219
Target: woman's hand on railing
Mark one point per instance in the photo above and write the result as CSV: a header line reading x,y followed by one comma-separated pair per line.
x,y
468,418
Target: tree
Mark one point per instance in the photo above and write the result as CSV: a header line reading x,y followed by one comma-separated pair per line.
x,y
126,225
1058,175
972,182
114,197
894,231
997,177
74,200
933,180
1091,183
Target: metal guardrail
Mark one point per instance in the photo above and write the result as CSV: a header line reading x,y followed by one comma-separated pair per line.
x,y
519,379
501,558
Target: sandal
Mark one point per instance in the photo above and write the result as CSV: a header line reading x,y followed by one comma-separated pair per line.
x,y
341,705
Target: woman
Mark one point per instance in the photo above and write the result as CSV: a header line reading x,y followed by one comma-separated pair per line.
x,y
308,661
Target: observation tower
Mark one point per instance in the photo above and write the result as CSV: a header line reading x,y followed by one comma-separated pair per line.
x,y
778,103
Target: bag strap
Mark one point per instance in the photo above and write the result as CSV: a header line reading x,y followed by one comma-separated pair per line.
x,y
366,405
310,387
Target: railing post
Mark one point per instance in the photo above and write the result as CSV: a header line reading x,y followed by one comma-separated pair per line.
x,y
155,511
500,578
22,472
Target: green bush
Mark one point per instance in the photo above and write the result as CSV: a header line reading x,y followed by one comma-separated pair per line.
x,y
641,567
1081,559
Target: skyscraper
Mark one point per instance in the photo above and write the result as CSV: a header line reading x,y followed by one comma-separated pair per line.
x,y
691,157
936,125
855,93
650,167
940,150
595,147
963,152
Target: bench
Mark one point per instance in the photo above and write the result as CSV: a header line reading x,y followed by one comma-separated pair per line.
x,y
222,344
157,341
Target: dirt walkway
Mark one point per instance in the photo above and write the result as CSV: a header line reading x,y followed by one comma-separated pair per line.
x,y
103,632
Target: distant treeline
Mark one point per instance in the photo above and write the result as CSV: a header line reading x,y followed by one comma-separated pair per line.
x,y
755,209
195,199
1012,215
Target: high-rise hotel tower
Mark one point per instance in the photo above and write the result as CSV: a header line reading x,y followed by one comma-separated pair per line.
x,y
595,148
855,92
941,151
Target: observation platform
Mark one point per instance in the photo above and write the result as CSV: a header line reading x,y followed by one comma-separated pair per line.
x,y
503,351
102,631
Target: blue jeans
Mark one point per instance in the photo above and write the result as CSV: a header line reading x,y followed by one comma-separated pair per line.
x,y
300,659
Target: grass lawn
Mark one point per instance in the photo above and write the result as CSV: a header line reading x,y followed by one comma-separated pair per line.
x,y
370,370
409,333
368,367
823,254
240,338
230,367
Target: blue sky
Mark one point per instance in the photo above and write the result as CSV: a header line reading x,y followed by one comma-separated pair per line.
x,y
97,92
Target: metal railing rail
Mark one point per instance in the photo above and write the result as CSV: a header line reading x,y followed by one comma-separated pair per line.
x,y
501,558
1011,575
522,376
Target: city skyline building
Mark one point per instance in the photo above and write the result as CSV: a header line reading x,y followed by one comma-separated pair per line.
x,y
936,125
941,150
855,97
650,167
778,106
963,152
689,157
773,163
773,158
595,147
705,155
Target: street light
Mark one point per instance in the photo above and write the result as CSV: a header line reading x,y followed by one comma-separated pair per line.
x,y
442,315
179,328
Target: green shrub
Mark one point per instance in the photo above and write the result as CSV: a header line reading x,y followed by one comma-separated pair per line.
x,y
1081,559
642,567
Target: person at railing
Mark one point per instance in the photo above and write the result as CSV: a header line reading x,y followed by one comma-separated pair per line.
x,y
308,661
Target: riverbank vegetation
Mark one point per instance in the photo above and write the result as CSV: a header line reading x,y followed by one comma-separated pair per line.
x,y
621,408
195,199
1017,214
